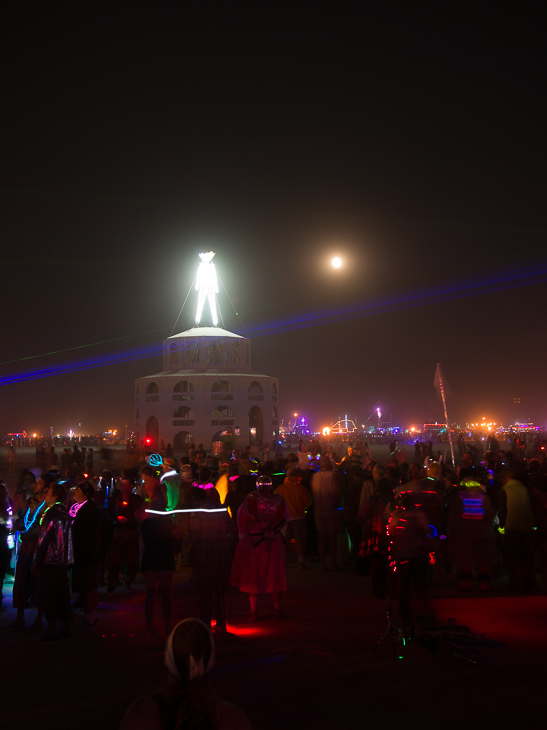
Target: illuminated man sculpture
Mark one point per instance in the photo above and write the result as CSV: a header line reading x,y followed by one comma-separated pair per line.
x,y
207,286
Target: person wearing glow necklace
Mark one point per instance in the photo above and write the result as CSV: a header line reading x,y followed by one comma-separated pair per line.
x,y
53,557
25,587
86,538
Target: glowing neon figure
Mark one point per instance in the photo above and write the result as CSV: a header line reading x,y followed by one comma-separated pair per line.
x,y
207,286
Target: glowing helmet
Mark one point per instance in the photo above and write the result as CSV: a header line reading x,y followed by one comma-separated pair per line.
x,y
264,483
154,460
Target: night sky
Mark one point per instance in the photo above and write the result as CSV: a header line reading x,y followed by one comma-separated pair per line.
x,y
408,140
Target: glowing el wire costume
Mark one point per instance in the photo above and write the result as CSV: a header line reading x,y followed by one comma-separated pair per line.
x,y
207,286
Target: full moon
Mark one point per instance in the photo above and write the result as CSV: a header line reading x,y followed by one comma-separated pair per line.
x,y
336,262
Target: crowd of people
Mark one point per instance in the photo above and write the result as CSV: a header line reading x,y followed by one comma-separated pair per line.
x,y
240,519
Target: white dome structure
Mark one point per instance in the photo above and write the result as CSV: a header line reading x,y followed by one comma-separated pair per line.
x,y
206,393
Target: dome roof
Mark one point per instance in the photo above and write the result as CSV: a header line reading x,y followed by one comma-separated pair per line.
x,y
205,332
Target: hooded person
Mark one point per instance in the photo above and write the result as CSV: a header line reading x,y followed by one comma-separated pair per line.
x,y
188,700
259,564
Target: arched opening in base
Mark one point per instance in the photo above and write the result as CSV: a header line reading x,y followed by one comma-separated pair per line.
x,y
256,424
152,431
181,441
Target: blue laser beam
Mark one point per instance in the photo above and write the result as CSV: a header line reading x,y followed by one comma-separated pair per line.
x,y
447,291
83,364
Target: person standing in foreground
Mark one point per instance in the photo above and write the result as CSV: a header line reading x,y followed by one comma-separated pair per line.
x,y
259,564
188,701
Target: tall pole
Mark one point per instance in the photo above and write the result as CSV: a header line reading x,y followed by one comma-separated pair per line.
x,y
439,378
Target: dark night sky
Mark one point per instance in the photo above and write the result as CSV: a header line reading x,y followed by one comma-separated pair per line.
x,y
409,140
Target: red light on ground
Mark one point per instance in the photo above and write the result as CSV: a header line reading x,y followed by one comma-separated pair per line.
x,y
240,631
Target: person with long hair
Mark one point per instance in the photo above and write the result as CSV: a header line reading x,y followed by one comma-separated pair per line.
x,y
188,702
